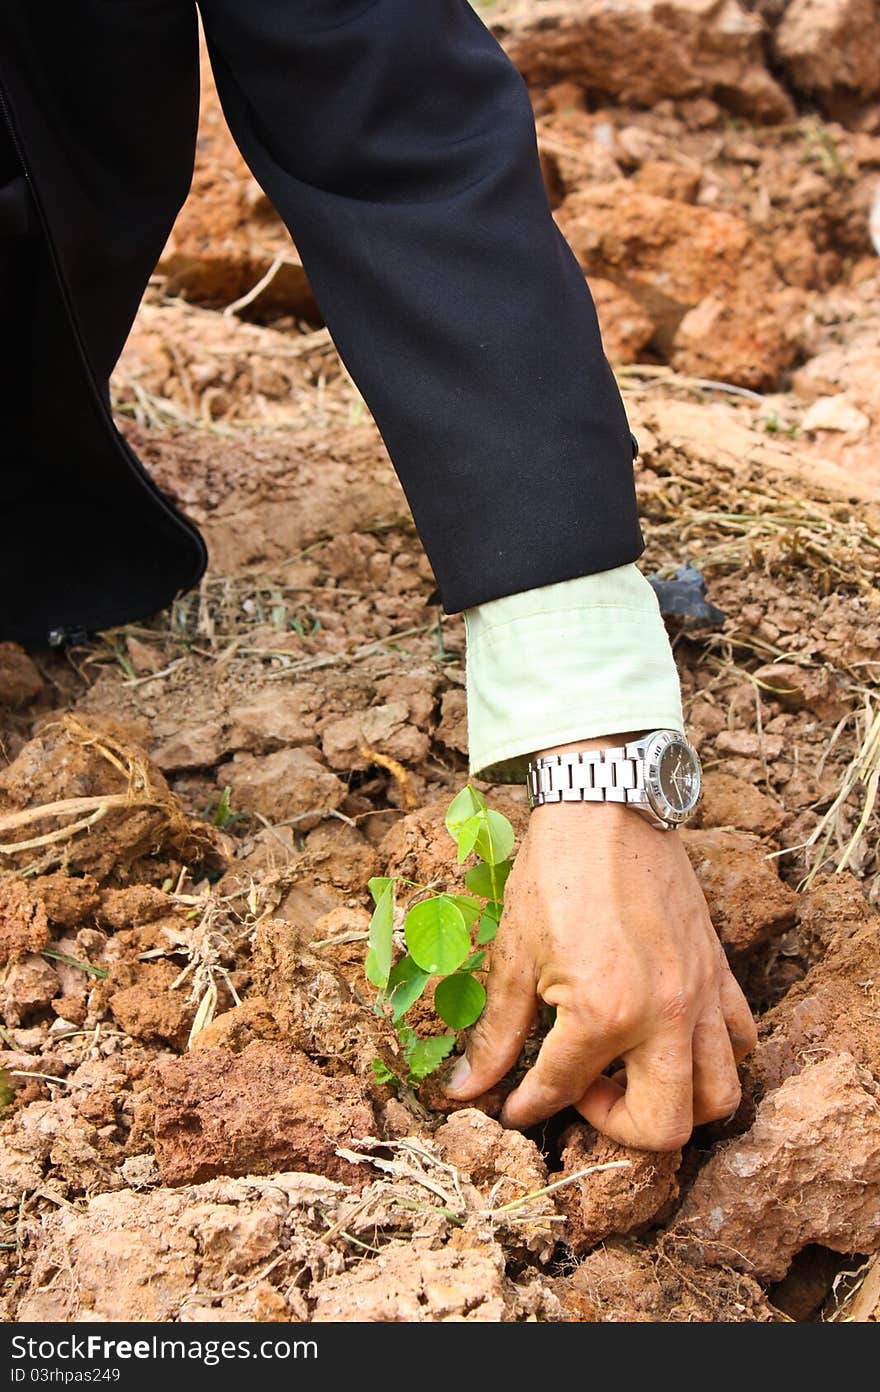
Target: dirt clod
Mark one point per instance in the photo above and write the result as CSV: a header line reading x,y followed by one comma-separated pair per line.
x,y
612,1201
748,902
807,1171
264,1109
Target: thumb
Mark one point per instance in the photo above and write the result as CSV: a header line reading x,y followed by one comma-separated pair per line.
x,y
496,1039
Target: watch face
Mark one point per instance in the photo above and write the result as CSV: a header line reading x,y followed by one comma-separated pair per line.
x,y
674,779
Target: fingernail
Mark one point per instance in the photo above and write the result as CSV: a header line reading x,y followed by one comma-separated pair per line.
x,y
459,1075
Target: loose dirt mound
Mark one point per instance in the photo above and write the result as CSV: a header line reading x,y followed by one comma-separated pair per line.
x,y
190,808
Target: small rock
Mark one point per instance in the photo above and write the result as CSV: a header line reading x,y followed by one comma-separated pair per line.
x,y
808,1171
386,729
192,746
132,907
639,52
836,1006
20,682
24,927
237,1028
29,984
728,801
831,909
313,1003
504,1164
828,45
271,719
748,902
611,1201
71,901
835,413
145,1006
670,179
452,729
628,1282
627,328
815,689
140,1171
289,784
267,1108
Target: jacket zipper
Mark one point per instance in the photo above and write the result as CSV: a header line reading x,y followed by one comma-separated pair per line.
x,y
61,635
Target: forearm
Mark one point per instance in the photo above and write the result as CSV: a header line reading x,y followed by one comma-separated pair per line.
x,y
412,186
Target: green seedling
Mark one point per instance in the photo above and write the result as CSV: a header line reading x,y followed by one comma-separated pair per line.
x,y
224,814
444,935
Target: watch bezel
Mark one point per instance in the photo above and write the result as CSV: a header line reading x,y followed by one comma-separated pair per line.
x,y
655,748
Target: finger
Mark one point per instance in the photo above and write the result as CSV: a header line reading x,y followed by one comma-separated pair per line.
x,y
568,1062
496,1039
717,1089
737,1016
655,1111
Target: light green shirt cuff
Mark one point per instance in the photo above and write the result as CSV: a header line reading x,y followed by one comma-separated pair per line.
x,y
565,662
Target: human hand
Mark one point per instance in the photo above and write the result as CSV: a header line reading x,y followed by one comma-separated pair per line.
x,y
605,920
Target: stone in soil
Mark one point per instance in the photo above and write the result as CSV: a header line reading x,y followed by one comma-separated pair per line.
x,y
464,1281
731,802
748,902
828,48
28,985
291,784
612,1201
24,926
836,1006
20,681
627,1282
695,271
267,1108
144,1005
640,52
808,1171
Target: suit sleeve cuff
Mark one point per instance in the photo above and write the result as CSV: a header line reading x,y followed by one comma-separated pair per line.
x,y
564,662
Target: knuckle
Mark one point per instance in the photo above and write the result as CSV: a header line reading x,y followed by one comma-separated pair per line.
x,y
674,1006
664,1138
723,1103
611,1016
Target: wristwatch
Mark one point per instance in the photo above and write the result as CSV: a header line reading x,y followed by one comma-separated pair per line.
x,y
658,775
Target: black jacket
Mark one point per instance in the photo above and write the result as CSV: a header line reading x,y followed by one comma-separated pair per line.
x,y
397,142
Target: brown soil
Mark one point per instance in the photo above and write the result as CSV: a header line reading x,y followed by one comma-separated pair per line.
x,y
184,1020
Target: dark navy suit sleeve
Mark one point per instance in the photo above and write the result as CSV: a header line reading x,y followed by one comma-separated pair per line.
x,y
398,143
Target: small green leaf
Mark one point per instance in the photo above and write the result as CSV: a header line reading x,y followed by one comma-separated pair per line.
x,y
378,885
459,1000
462,807
405,984
382,1073
488,924
437,936
495,840
474,962
424,1055
378,961
470,908
468,836
479,879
